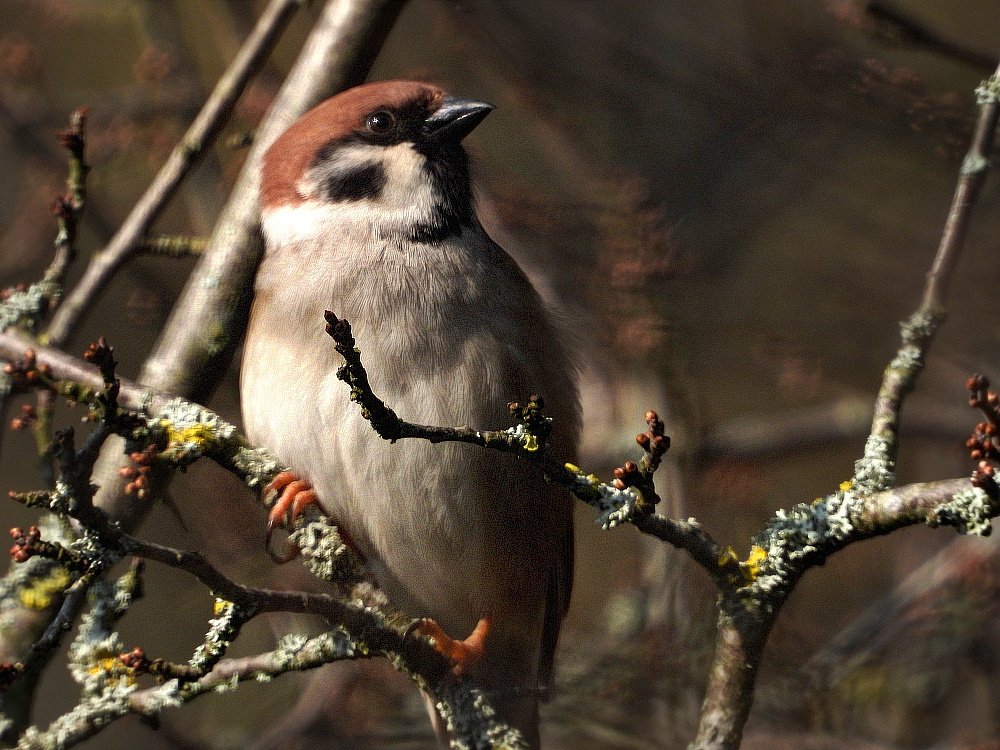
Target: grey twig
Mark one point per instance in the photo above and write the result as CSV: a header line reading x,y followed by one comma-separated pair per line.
x,y
795,541
876,470
185,155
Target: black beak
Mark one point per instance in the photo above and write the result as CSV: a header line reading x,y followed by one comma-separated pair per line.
x,y
455,119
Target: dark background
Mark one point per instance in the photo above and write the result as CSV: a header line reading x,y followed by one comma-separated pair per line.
x,y
734,202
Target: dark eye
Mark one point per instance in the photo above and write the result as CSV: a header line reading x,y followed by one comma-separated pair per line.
x,y
380,122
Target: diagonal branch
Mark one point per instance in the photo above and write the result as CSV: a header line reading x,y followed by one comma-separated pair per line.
x,y
876,470
185,155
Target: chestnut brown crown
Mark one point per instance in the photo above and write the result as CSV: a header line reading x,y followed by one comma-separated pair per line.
x,y
382,113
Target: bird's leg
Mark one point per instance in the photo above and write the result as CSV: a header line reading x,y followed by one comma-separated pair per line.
x,y
464,655
294,495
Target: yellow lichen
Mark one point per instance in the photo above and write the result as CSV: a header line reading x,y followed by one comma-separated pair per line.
x,y
530,443
727,556
845,486
751,568
220,606
108,664
199,433
42,592
113,669
574,468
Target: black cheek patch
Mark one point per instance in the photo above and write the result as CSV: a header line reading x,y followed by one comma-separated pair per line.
x,y
355,185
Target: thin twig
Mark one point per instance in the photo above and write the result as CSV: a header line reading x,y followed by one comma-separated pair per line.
x,y
876,470
69,369
184,156
974,169
868,505
173,246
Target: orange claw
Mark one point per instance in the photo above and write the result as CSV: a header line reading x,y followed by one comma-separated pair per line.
x,y
295,494
464,655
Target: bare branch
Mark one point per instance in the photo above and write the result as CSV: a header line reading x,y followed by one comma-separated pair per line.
x,y
876,470
184,156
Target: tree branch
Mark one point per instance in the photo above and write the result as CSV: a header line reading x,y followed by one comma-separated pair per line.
x,y
185,155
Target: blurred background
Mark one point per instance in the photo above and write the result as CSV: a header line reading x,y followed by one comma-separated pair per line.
x,y
733,202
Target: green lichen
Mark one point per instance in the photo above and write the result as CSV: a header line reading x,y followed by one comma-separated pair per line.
x,y
805,531
969,511
256,465
988,91
191,431
325,553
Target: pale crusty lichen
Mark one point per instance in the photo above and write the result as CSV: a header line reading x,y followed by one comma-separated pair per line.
x,y
94,711
526,439
256,466
325,553
474,723
223,630
616,506
876,470
793,536
988,91
969,511
23,307
191,430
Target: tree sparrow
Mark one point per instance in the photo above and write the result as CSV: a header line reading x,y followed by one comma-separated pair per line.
x,y
367,210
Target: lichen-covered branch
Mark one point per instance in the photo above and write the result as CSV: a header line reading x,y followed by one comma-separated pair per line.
x,y
876,470
866,506
623,501
180,433
26,305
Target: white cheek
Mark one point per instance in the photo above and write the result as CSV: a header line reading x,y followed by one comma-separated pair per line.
x,y
310,223
406,198
407,184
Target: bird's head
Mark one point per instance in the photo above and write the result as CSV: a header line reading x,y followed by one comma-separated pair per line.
x,y
388,153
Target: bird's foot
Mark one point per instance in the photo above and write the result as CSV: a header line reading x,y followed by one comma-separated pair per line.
x,y
463,655
294,494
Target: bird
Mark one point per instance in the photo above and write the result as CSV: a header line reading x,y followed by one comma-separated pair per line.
x,y
367,210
